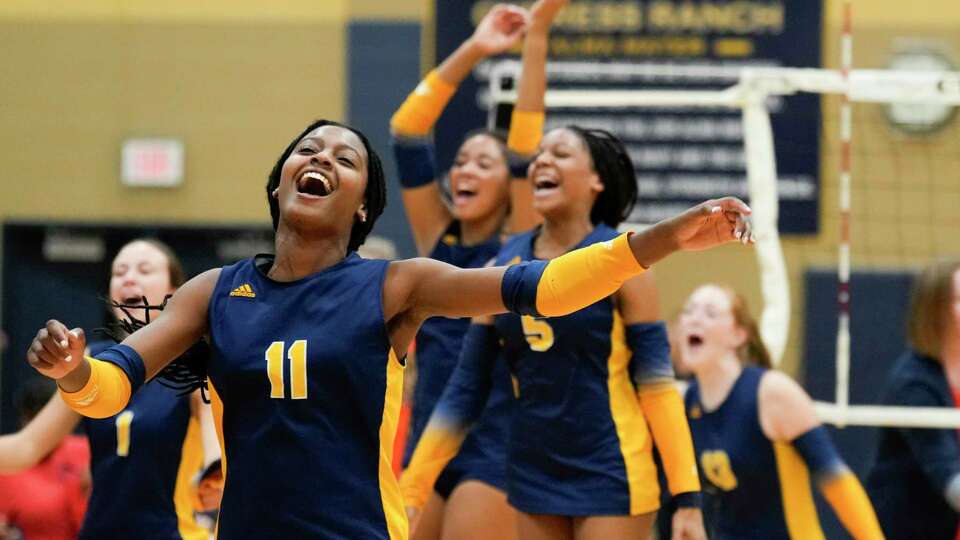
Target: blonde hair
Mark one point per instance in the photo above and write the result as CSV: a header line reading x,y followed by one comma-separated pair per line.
x,y
930,302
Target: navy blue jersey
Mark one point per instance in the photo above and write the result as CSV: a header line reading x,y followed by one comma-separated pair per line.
x,y
914,466
755,486
143,463
579,443
306,394
482,455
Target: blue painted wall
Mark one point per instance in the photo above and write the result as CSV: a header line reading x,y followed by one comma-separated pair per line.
x,y
383,67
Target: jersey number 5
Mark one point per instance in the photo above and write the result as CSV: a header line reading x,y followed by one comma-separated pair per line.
x,y
538,332
297,354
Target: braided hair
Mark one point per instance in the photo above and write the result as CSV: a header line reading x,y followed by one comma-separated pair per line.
x,y
613,165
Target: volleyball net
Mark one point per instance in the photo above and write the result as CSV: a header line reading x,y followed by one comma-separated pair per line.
x,y
733,104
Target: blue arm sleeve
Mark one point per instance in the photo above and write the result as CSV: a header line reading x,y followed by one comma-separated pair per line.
x,y
821,456
466,393
129,361
519,287
415,159
651,361
936,450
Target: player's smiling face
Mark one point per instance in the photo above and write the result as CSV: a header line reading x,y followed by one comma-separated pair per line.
x,y
139,270
479,178
708,328
323,181
564,181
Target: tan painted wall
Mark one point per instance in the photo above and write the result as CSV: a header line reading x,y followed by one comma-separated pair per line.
x,y
231,80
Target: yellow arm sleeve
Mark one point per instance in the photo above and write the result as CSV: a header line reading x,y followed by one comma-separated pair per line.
x,y
106,393
577,279
852,506
526,130
420,111
437,446
663,408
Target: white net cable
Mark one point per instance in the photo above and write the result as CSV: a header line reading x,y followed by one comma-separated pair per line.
x,y
751,91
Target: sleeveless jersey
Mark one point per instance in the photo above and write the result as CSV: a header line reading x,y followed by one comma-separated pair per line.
x,y
306,395
143,462
483,454
751,483
579,444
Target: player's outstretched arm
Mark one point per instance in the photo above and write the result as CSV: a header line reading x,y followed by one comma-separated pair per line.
x,y
25,448
787,417
410,126
101,387
420,288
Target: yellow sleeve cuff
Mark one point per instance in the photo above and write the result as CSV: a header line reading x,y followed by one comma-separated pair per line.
x,y
852,506
578,279
526,130
106,393
420,111
663,408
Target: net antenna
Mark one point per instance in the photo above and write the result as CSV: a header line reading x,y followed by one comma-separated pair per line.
x,y
752,89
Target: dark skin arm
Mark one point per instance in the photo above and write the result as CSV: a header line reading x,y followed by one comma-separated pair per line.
x,y
57,352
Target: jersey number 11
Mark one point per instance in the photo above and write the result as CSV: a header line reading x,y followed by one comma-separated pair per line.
x,y
297,354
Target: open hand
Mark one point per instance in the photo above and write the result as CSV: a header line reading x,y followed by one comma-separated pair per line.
x,y
57,351
500,29
713,223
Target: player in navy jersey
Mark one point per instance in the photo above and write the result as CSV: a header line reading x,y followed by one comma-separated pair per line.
x,y
757,437
915,478
145,458
304,374
593,388
469,499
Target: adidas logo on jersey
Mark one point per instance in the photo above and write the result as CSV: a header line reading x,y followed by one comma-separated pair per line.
x,y
245,290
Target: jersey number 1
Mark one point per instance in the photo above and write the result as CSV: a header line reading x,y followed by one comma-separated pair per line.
x,y
297,354
123,421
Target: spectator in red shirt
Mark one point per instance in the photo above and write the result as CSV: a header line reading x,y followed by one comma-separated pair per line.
x,y
46,501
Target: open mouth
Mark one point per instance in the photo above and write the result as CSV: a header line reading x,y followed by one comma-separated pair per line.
x,y
694,341
314,184
543,185
463,195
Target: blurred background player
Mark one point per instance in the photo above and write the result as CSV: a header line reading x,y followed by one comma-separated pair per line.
x,y
46,501
468,499
757,437
145,459
915,480
590,386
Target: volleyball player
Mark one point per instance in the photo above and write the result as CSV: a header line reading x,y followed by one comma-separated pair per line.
x,y
757,437
593,388
144,458
468,499
915,480
304,376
